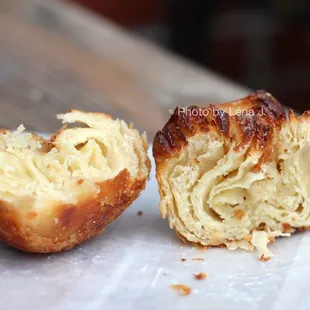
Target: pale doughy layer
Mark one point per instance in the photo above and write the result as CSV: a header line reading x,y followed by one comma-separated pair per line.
x,y
35,171
213,195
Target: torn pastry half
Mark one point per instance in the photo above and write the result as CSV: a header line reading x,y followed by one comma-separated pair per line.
x,y
235,174
57,193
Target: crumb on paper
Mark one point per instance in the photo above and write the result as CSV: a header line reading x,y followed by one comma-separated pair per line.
x,y
198,258
80,181
183,259
200,276
139,213
181,288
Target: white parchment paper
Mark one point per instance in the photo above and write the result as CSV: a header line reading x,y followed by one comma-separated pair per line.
x,y
132,264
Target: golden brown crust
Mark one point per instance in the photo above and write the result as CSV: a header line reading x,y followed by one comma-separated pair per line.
x,y
74,223
251,119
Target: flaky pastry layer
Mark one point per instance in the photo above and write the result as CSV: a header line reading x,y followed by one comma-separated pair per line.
x,y
235,174
57,193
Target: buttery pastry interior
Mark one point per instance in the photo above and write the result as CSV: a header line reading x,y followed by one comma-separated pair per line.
x,y
57,193
236,174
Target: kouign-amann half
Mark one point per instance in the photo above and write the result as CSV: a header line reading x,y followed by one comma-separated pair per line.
x,y
57,193
235,174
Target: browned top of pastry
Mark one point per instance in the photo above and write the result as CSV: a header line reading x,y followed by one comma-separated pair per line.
x,y
252,119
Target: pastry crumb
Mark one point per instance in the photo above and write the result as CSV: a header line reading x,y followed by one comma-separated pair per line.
x,y
200,276
198,258
182,289
264,259
139,213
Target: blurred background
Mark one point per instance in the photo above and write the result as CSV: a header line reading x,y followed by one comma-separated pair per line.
x,y
260,44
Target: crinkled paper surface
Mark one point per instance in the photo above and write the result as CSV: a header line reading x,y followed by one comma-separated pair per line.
x,y
132,264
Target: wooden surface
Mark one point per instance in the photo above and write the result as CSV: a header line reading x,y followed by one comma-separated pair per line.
x,y
55,56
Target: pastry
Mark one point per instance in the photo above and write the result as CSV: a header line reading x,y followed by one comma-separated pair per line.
x,y
235,174
57,193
